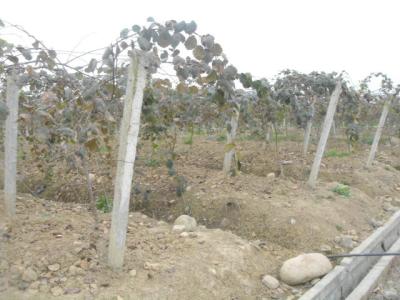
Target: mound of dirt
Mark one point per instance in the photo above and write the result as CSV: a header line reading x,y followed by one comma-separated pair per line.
x,y
50,251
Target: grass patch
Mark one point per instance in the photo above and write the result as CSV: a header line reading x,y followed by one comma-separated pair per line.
x,y
152,162
188,140
221,138
342,190
104,204
336,153
339,227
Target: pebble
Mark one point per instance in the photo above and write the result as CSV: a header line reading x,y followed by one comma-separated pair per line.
x,y
57,291
73,290
270,282
29,275
54,267
189,223
346,241
132,273
271,175
73,270
326,248
375,223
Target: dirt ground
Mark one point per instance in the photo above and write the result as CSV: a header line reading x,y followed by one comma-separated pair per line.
x,y
252,222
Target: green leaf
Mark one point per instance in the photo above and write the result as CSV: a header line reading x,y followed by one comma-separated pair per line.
x,y
180,26
52,54
1,23
35,44
144,44
246,80
136,28
216,49
150,19
25,52
207,41
124,33
198,52
191,27
164,39
91,66
212,77
92,145
13,59
191,42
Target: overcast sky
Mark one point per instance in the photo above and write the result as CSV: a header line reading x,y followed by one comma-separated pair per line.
x,y
258,36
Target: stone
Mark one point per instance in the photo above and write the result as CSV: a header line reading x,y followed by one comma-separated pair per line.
x,y
270,282
35,285
271,175
346,241
29,275
178,228
54,267
388,207
73,270
44,287
132,273
184,234
304,268
375,223
189,223
57,291
326,248
72,290
151,266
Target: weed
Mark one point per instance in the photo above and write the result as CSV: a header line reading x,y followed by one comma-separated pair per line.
x,y
221,138
339,227
336,153
104,204
188,140
152,162
342,190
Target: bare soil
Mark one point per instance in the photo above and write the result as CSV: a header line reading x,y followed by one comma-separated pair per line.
x,y
254,221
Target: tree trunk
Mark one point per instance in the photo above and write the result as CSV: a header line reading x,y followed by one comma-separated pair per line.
x,y
267,136
230,166
11,144
307,135
324,134
128,138
378,132
334,128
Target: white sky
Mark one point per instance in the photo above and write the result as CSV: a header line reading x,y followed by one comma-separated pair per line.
x,y
258,36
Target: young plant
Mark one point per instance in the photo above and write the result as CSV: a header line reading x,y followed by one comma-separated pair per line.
x,y
104,204
342,190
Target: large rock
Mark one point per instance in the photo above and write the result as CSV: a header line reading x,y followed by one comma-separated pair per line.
x,y
304,268
185,223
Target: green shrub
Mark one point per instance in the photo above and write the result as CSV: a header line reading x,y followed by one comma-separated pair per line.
x,y
342,190
336,153
104,204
